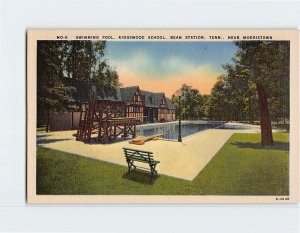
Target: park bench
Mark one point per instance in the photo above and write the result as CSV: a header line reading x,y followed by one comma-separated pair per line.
x,y
133,155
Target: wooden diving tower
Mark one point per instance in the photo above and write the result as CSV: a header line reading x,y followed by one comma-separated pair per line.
x,y
105,120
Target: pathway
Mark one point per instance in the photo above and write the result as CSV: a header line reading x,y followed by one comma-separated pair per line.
x,y
181,160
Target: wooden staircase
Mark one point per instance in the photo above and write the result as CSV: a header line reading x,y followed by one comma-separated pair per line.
x,y
105,120
86,122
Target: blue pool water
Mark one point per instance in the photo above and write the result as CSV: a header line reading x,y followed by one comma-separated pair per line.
x,y
171,131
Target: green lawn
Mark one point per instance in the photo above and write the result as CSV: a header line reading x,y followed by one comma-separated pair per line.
x,y
42,128
241,167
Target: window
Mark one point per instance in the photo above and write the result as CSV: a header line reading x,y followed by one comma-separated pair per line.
x,y
136,98
150,99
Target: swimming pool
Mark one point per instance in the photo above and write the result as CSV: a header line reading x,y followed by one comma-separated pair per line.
x,y
170,130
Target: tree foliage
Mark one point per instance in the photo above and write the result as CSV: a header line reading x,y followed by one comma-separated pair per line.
x,y
76,60
255,85
191,102
233,97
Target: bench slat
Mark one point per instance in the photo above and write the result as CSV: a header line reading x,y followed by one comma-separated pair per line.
x,y
143,151
139,154
139,159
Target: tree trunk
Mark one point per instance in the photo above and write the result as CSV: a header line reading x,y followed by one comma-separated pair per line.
x,y
249,109
48,121
265,121
249,118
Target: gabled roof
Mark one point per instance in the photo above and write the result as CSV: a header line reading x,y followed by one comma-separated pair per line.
x,y
113,94
127,93
152,99
170,104
85,90
82,90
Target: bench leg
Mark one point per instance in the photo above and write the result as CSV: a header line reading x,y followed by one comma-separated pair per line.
x,y
130,164
152,169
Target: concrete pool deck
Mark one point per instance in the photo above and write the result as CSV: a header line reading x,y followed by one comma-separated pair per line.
x,y
181,160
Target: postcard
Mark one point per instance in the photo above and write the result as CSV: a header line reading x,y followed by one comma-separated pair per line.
x,y
162,116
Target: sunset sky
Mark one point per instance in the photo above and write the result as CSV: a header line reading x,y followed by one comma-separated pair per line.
x,y
165,66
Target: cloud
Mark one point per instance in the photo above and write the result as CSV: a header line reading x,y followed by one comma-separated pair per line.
x,y
160,71
144,63
138,61
176,65
201,77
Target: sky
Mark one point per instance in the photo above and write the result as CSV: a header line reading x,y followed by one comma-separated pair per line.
x,y
165,66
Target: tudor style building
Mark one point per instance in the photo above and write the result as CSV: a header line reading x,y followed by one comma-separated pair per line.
x,y
133,98
158,108
147,107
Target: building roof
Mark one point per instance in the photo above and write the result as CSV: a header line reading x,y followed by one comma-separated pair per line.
x,y
127,93
82,90
170,104
152,99
112,94
85,90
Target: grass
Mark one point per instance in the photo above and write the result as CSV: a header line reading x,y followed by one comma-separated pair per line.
x,y
241,167
283,126
39,129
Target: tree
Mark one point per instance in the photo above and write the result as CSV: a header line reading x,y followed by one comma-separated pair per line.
x,y
81,59
206,105
52,95
191,102
76,60
266,64
85,61
106,79
220,103
251,103
255,85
